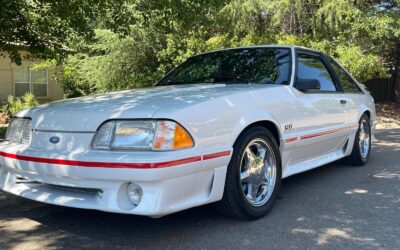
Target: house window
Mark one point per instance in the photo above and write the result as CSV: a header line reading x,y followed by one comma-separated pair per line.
x,y
29,80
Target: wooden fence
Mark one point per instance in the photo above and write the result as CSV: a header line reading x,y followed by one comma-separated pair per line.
x,y
382,89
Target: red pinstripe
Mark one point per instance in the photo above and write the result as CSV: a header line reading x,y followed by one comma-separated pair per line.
x,y
115,164
216,155
289,140
304,137
324,133
156,164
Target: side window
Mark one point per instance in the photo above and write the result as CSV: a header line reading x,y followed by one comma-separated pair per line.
x,y
347,83
312,67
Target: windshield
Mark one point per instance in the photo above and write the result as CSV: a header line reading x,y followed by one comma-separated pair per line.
x,y
250,65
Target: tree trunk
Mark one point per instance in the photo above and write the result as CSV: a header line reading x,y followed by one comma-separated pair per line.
x,y
397,79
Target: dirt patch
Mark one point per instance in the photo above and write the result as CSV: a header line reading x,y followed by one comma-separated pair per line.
x,y
3,126
2,118
388,115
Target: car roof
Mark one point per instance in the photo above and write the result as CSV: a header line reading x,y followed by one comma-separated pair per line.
x,y
262,46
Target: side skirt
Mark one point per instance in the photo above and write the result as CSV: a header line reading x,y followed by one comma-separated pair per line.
x,y
313,163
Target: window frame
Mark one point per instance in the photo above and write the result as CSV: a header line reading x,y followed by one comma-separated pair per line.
x,y
30,82
353,80
325,62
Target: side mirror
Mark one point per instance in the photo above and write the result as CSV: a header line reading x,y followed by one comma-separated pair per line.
x,y
305,85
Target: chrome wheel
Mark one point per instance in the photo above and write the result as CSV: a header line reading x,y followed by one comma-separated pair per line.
x,y
364,139
258,172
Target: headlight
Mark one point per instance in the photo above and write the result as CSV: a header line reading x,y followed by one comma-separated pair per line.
x,y
142,135
19,131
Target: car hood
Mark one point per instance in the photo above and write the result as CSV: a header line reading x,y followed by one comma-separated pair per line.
x,y
87,113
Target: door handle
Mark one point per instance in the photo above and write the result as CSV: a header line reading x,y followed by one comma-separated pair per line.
x,y
343,101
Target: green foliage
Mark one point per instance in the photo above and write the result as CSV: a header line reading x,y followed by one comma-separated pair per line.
x,y
363,35
17,104
45,27
3,131
363,66
112,63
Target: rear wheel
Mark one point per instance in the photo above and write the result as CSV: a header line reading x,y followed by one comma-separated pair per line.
x,y
253,177
362,143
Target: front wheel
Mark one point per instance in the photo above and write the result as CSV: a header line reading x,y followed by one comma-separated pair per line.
x,y
362,143
253,177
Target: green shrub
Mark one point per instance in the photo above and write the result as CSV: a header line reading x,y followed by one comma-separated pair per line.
x,y
16,104
2,132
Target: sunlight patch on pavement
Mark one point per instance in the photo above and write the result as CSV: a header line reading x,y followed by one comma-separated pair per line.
x,y
302,230
301,219
19,225
330,233
387,175
356,191
390,144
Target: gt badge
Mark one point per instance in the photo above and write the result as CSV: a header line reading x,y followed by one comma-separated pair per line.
x,y
288,126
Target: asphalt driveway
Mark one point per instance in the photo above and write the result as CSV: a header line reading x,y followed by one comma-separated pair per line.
x,y
335,206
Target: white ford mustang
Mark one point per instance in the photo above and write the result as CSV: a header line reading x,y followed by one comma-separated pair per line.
x,y
225,126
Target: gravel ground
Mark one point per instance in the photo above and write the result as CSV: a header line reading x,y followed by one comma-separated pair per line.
x,y
388,115
335,206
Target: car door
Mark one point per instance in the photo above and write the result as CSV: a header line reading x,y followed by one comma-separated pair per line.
x,y
319,120
352,96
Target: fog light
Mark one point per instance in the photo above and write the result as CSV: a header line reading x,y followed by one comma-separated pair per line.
x,y
135,193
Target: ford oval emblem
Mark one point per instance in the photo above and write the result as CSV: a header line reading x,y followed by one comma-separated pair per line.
x,y
54,139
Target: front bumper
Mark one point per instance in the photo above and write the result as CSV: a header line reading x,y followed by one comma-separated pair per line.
x,y
171,181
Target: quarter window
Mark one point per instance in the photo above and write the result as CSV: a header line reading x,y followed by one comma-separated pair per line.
x,y
346,81
29,80
312,67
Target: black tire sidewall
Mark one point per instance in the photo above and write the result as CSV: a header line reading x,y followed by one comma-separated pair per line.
x,y
250,211
357,140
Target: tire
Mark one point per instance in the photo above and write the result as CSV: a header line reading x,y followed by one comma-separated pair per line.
x,y
358,156
235,202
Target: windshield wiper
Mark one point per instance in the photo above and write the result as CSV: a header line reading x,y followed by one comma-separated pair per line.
x,y
170,82
213,78
221,78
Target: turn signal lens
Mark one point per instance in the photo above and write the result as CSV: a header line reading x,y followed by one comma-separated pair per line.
x,y
182,139
171,136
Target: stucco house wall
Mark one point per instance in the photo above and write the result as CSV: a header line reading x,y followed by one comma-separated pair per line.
x,y
7,81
